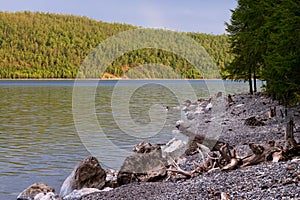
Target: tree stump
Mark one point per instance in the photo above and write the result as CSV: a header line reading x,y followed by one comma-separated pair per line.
x,y
289,132
272,112
229,99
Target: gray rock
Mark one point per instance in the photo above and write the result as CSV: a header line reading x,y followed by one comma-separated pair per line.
x,y
47,196
87,174
173,149
77,194
142,167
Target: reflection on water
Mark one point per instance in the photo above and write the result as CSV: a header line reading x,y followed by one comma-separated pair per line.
x,y
38,138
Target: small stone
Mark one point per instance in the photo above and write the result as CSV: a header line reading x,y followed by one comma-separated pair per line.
x,y
225,196
290,167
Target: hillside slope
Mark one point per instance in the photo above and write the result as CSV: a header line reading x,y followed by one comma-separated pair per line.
x,y
43,45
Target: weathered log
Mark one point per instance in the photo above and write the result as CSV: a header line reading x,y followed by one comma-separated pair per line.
x,y
234,161
266,152
254,158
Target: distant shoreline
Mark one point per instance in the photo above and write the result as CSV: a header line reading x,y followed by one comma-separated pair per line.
x,y
117,79
92,79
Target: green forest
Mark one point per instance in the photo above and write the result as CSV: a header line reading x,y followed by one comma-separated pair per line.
x,y
42,45
263,42
264,37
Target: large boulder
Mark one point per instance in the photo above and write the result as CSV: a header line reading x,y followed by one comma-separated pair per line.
x,y
142,167
87,174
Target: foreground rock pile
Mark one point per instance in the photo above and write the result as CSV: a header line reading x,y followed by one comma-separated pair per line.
x,y
236,147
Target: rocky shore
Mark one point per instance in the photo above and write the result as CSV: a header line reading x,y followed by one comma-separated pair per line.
x,y
254,158
263,181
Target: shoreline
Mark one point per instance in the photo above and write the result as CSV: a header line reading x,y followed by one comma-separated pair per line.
x,y
118,79
265,180
94,79
273,180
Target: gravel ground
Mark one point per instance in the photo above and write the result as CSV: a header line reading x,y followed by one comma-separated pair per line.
x,y
263,181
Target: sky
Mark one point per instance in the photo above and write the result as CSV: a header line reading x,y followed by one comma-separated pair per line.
x,y
204,16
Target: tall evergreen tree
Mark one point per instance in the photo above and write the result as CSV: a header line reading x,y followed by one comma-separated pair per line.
x,y
265,40
282,58
243,28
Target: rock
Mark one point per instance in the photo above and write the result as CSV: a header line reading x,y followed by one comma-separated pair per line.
x,y
38,191
142,167
229,99
252,121
111,178
48,196
87,174
143,147
225,196
192,146
209,106
173,149
219,94
77,194
188,128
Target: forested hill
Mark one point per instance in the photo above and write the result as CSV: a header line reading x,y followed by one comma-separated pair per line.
x,y
40,45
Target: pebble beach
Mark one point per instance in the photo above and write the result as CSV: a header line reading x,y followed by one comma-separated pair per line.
x,y
267,180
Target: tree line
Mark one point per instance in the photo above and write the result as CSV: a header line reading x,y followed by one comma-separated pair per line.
x,y
264,37
45,45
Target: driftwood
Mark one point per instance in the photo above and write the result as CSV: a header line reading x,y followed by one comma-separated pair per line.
x,y
261,153
226,158
174,168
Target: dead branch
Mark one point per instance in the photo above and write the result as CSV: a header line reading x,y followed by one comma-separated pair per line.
x,y
225,152
178,170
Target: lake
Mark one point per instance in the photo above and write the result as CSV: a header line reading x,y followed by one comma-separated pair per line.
x,y
46,127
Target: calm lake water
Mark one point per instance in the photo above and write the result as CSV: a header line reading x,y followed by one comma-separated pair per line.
x,y
46,127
